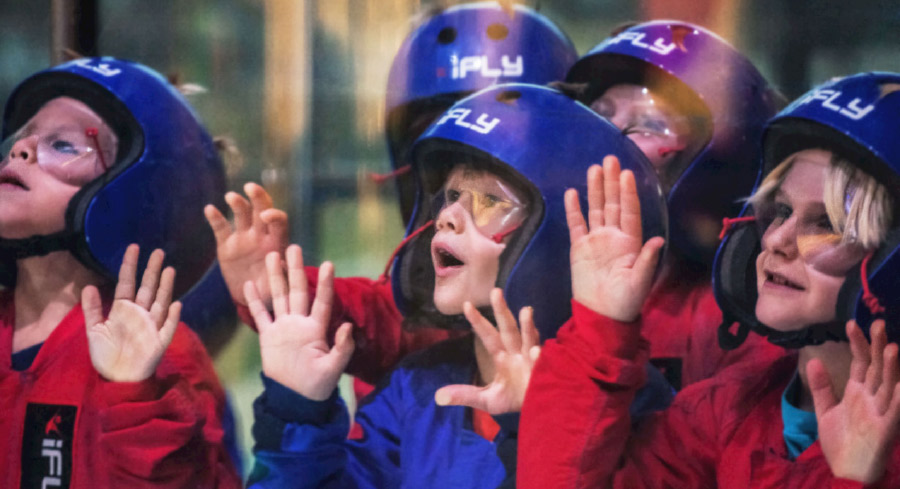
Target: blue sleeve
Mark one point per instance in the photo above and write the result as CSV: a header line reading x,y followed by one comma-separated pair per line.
x,y
655,395
302,443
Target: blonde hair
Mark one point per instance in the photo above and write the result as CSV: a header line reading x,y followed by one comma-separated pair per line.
x,y
858,206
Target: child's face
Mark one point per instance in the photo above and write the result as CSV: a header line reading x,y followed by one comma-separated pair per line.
x,y
649,121
803,262
478,210
46,162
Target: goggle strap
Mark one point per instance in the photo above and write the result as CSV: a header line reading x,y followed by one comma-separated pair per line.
x,y
386,275
729,223
869,299
380,178
92,133
498,237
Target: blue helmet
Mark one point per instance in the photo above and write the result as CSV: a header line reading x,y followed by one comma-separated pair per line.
x,y
856,118
543,142
459,51
705,73
167,169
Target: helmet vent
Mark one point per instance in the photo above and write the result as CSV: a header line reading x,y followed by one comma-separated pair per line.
x,y
509,96
446,35
497,32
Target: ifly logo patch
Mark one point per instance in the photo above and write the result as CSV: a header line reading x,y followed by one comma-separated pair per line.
x,y
638,39
102,69
835,101
47,445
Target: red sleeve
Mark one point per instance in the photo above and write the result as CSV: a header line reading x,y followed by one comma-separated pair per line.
x,y
575,430
378,330
166,431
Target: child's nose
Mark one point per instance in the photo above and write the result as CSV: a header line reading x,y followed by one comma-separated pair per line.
x,y
452,217
24,149
782,239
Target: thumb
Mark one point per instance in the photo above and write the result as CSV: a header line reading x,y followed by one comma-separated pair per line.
x,y
649,256
820,387
461,395
343,346
167,332
91,306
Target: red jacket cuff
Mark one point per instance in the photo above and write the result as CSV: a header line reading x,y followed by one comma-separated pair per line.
x,y
602,334
121,392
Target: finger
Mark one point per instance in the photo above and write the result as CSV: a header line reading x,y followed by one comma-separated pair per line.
x,y
164,293
298,288
574,218
893,411
241,210
125,287
859,348
631,205
462,395
221,228
277,287
167,332
611,191
876,353
259,202
889,377
530,335
820,387
534,353
276,221
486,332
595,196
506,322
147,292
321,308
91,305
257,308
343,347
645,264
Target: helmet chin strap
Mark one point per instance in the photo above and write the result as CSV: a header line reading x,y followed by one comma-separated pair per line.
x,y
815,334
17,249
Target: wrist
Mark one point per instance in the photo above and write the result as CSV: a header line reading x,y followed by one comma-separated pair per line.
x,y
617,312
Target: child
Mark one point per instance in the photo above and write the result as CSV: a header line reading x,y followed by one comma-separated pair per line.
x,y
453,53
695,106
485,181
100,153
821,253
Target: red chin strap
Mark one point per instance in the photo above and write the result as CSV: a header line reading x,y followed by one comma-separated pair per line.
x,y
380,178
667,150
386,275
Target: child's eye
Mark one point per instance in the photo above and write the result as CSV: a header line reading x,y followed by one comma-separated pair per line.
x,y
782,212
491,200
63,146
451,195
824,224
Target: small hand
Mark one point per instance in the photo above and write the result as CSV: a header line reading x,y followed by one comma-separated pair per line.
x,y
294,349
258,229
611,271
858,432
128,346
513,354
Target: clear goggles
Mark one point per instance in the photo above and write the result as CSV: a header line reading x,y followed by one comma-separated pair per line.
x,y
493,206
641,114
817,243
72,155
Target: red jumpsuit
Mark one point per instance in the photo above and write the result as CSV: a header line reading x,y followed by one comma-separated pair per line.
x,y
63,425
681,320
723,432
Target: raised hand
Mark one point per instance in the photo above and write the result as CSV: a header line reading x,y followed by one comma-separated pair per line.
x,y
858,432
513,355
258,229
611,271
294,348
128,345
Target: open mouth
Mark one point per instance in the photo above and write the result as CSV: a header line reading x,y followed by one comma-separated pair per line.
x,y
781,280
446,259
10,178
